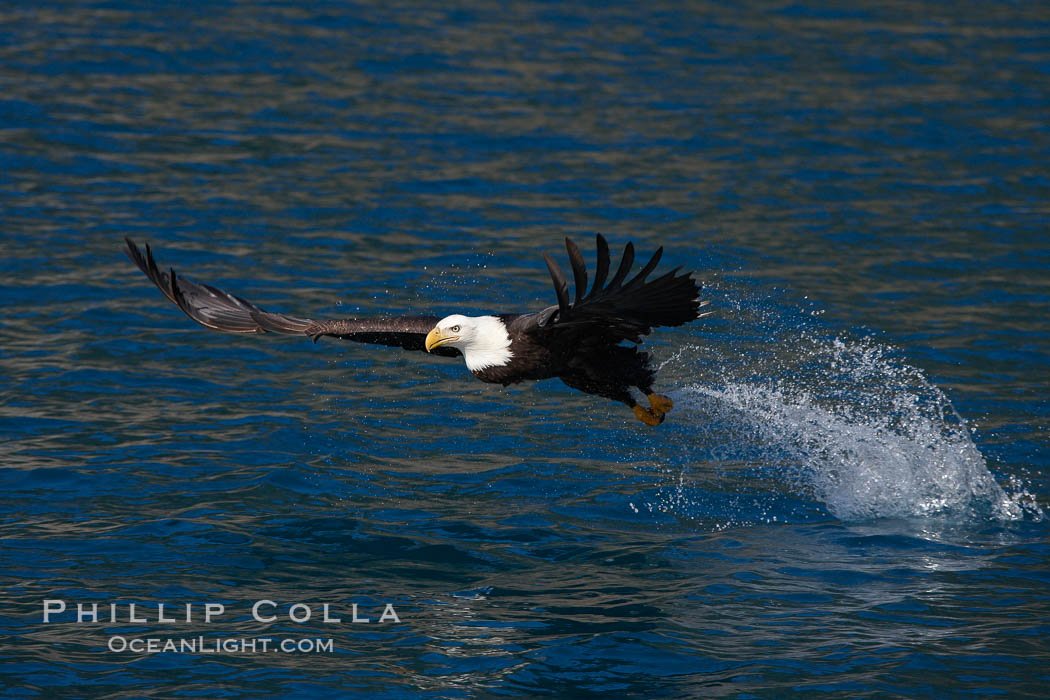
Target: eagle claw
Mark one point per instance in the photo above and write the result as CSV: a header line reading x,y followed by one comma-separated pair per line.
x,y
660,404
648,416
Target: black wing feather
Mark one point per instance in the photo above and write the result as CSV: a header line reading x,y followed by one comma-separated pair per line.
x,y
649,267
614,312
579,269
601,271
561,287
218,309
625,266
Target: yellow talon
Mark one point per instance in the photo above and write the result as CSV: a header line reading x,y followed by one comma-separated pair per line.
x,y
647,416
660,404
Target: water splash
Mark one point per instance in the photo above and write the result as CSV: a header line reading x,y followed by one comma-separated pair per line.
x,y
868,436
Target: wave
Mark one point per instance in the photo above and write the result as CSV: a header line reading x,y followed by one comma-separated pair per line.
x,y
866,435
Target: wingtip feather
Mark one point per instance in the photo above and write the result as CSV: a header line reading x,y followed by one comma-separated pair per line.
x,y
561,286
579,268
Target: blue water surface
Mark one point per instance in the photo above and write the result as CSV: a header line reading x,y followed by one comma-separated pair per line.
x,y
847,501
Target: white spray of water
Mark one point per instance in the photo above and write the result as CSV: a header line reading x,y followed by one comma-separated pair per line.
x,y
865,435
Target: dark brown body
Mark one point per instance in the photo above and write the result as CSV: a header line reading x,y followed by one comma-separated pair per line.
x,y
609,370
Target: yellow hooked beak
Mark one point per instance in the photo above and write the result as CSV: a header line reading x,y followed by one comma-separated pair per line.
x,y
437,338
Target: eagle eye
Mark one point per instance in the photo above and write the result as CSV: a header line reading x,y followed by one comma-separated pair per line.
x,y
454,329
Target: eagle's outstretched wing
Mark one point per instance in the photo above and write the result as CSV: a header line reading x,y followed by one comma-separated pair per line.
x,y
616,310
214,308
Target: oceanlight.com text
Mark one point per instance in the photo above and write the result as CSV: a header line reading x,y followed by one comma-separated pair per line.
x,y
226,645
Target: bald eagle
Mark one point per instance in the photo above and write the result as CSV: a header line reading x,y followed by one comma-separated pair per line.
x,y
578,340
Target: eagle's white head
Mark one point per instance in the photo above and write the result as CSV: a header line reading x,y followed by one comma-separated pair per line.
x,y
483,340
